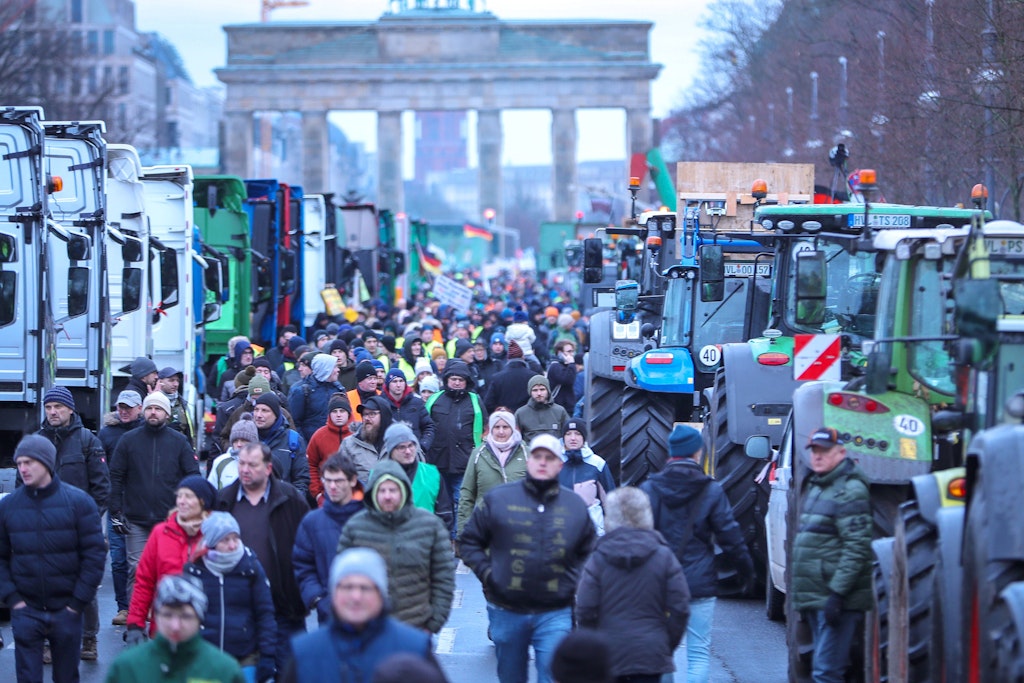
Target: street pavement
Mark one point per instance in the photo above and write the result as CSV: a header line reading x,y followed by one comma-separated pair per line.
x,y
746,647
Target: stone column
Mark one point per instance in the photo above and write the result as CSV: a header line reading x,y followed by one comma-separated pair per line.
x,y
315,164
488,145
238,144
390,192
563,174
639,133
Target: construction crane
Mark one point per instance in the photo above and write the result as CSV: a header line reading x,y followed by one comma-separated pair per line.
x,y
271,5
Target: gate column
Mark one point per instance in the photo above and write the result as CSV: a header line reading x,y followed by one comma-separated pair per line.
x,y
490,185
563,153
390,193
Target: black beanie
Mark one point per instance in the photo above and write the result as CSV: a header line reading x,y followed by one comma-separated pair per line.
x,y
271,401
339,400
38,448
576,425
365,369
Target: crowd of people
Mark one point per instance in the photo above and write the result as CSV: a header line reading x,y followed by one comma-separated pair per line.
x,y
347,471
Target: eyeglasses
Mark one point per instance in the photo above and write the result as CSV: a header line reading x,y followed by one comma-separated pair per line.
x,y
364,588
410,446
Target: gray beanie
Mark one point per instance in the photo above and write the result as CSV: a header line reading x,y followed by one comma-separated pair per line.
x,y
397,433
179,589
217,526
363,561
38,448
430,383
245,429
142,366
538,379
323,365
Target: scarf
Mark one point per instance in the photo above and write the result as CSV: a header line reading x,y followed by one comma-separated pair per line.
x,y
222,563
502,451
190,526
171,397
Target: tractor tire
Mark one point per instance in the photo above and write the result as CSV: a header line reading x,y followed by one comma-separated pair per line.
x,y
774,599
605,406
876,631
645,425
736,474
984,580
1007,620
910,605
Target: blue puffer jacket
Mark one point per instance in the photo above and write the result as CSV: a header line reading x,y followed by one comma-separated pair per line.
x,y
340,654
290,464
52,550
316,544
240,615
308,401
692,513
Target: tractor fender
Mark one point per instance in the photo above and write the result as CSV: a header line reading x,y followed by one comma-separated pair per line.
x,y
929,491
610,358
761,395
1000,451
882,549
949,525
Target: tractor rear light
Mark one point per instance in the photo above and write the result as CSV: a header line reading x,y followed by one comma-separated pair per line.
x,y
870,406
957,488
773,358
618,368
658,359
856,402
835,399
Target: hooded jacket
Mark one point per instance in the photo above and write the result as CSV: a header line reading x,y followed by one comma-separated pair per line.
x,y
240,615
145,470
324,443
81,459
316,544
541,418
633,588
459,418
415,546
287,508
527,543
692,512
289,452
484,473
832,547
364,454
508,388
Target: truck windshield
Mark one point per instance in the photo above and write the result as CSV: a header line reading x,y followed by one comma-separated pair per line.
x,y
852,289
722,322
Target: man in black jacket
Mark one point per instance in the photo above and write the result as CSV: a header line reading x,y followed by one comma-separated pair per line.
x,y
147,465
692,512
508,388
81,462
527,543
409,408
51,562
269,511
286,444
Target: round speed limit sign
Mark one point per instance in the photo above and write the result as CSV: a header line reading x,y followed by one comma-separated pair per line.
x,y
710,355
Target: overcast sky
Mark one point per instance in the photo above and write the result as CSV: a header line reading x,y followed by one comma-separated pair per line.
x,y
194,27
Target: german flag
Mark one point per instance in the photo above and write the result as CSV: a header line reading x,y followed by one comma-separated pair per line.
x,y
430,264
470,230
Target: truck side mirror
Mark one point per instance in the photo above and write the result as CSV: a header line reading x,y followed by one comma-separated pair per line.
x,y
978,307
593,260
131,289
810,287
712,272
211,199
78,248
758,447
131,250
168,279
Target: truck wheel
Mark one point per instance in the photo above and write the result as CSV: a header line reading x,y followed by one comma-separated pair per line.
x,y
984,580
736,473
876,631
646,420
605,403
910,605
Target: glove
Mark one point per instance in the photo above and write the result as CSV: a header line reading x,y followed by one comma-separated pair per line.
x,y
118,523
134,636
833,609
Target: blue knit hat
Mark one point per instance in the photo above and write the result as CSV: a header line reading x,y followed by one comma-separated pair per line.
x,y
38,448
59,395
363,561
684,441
217,526
203,489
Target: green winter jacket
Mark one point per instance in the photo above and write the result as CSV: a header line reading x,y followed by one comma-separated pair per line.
x,y
416,546
535,418
483,473
194,660
832,547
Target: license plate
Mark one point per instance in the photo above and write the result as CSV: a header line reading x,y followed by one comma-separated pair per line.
x,y
880,220
1005,246
747,269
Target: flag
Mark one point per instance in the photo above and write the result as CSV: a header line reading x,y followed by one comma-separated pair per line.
x,y
601,205
430,263
470,230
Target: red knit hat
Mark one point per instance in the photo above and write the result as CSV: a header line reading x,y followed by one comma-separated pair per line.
x,y
513,350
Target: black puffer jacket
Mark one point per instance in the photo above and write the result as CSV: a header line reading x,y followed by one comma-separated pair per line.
x,y
692,513
52,550
527,543
412,410
633,588
147,465
289,451
508,387
112,431
81,459
459,419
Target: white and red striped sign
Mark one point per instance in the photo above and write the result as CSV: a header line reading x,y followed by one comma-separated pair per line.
x,y
816,356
